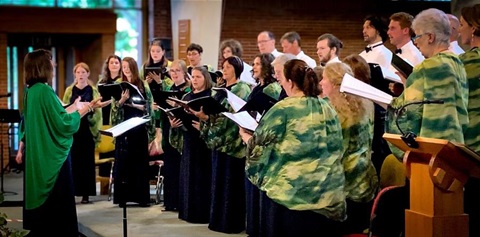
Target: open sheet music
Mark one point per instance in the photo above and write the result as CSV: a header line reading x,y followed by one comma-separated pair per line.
x,y
389,74
243,119
356,87
180,113
115,90
124,126
208,103
160,97
236,102
259,103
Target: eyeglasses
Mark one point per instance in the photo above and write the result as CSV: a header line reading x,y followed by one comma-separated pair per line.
x,y
175,71
191,54
418,36
263,41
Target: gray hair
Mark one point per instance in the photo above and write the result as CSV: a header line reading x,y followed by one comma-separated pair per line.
x,y
283,58
433,21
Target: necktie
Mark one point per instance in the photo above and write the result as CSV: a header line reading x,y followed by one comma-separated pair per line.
x,y
398,51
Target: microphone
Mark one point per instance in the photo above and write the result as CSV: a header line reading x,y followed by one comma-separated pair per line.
x,y
409,137
6,95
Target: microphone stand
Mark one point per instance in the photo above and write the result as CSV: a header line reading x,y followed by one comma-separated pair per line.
x,y
2,191
409,137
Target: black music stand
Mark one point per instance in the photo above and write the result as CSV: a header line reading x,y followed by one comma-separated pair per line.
x,y
7,116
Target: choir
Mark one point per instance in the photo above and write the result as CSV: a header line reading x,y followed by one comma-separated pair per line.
x,y
311,167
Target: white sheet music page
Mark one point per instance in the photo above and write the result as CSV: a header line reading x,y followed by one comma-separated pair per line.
x,y
356,87
236,102
389,74
243,119
136,88
124,126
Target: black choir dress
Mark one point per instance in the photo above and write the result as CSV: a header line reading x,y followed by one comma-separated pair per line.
x,y
131,176
83,150
195,174
106,109
171,159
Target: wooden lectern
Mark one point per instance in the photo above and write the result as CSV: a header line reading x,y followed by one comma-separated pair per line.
x,y
437,170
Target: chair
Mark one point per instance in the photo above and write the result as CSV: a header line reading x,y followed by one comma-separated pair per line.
x,y
158,180
387,218
106,146
392,172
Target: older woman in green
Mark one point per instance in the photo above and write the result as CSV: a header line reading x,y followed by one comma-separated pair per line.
x,y
470,35
356,118
441,76
295,158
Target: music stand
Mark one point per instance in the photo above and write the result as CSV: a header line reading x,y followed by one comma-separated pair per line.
x,y
6,116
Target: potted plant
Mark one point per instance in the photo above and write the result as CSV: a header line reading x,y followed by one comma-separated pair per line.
x,y
4,229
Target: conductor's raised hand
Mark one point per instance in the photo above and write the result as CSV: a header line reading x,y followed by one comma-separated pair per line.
x,y
199,114
98,103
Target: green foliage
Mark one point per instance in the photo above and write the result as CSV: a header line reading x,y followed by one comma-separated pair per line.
x,y
7,231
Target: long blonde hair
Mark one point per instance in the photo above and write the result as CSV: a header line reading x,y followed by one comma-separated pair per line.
x,y
350,108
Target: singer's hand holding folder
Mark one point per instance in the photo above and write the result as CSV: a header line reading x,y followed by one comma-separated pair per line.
x,y
356,87
107,91
243,119
124,126
208,103
180,113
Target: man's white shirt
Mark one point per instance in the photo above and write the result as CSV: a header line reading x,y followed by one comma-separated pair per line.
x,y
275,53
379,54
333,60
411,54
310,61
455,48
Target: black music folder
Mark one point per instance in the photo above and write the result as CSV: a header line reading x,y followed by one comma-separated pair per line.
x,y
10,116
107,91
160,97
209,104
161,71
180,113
260,103
401,65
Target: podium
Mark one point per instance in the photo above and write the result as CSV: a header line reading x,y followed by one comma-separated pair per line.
x,y
437,170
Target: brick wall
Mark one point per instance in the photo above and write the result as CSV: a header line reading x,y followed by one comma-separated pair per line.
x,y
162,26
3,101
243,20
